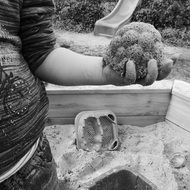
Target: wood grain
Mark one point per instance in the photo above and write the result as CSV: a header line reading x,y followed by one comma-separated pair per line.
x,y
133,104
179,108
140,121
179,130
121,104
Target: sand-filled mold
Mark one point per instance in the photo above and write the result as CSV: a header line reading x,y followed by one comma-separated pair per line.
x,y
150,151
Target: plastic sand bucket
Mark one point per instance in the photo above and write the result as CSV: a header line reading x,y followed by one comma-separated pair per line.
x,y
96,130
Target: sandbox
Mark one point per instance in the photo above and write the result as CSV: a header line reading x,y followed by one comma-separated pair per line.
x,y
153,125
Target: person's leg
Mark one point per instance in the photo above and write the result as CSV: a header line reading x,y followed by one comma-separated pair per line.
x,y
38,174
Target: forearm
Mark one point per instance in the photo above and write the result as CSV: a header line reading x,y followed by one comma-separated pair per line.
x,y
65,67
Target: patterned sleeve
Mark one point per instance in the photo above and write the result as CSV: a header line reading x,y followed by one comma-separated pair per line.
x,y
36,32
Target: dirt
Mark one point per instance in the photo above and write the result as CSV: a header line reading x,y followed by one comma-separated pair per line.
x,y
84,43
150,151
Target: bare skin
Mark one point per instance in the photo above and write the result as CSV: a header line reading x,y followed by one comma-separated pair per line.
x,y
65,67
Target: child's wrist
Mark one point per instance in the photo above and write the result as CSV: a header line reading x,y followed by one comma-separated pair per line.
x,y
105,77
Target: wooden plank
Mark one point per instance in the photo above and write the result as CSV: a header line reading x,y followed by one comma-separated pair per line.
x,y
164,86
120,104
150,103
179,112
181,89
140,121
67,103
179,130
179,108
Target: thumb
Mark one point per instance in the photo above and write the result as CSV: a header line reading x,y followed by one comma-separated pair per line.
x,y
112,77
165,69
175,57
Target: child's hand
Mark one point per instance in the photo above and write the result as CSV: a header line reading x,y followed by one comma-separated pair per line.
x,y
136,52
130,73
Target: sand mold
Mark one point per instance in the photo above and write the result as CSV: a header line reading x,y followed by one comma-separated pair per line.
x,y
148,150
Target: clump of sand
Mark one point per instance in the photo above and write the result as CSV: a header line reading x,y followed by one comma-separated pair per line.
x,y
148,150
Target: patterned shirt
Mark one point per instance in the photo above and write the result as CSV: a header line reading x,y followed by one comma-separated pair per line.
x,y
26,38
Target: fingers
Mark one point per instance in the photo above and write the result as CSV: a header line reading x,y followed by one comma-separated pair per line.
x,y
130,73
165,69
152,73
128,76
112,77
175,58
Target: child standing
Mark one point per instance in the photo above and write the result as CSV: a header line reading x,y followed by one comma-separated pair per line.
x,y
27,57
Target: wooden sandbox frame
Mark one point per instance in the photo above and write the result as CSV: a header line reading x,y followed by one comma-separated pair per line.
x,y
133,105
164,101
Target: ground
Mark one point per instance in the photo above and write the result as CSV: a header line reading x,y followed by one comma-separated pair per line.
x,y
149,151
88,44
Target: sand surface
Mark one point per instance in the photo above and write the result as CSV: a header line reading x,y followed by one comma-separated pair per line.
x,y
148,150
88,42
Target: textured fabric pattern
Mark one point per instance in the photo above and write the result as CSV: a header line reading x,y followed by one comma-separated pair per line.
x,y
20,163
38,39
38,174
23,100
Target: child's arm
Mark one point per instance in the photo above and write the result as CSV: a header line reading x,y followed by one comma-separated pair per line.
x,y
58,66
65,67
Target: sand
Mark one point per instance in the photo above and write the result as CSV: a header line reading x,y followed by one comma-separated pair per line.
x,y
87,42
147,150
